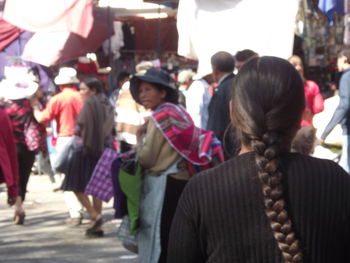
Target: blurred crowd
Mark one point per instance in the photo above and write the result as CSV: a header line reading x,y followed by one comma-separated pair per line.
x,y
248,127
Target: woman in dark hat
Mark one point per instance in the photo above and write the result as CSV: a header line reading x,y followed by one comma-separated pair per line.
x,y
168,144
267,204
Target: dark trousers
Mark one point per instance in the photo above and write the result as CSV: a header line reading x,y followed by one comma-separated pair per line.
x,y
173,192
25,162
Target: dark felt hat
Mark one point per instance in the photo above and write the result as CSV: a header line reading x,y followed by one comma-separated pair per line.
x,y
158,77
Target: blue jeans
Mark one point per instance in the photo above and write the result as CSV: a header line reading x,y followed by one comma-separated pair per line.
x,y
344,159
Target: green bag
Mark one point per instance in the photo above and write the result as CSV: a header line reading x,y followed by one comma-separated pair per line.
x,y
130,179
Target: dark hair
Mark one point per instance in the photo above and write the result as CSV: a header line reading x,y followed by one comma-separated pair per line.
x,y
267,105
223,61
122,76
304,140
245,54
345,51
93,83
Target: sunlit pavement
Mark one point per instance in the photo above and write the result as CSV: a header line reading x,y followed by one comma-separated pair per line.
x,y
45,238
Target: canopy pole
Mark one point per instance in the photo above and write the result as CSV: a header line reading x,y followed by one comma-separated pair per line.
x,y
109,35
158,33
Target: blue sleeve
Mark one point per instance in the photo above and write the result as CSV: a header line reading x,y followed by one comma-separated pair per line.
x,y
343,107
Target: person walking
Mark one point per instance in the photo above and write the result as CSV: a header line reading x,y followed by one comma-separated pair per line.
x,y
304,140
17,92
63,108
267,204
342,113
42,159
93,133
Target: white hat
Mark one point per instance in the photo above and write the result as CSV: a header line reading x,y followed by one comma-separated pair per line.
x,y
185,75
66,75
143,66
17,89
84,60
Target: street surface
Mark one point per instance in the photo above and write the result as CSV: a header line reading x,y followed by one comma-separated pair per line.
x,y
45,238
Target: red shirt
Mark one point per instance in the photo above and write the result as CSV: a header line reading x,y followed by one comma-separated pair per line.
x,y
64,108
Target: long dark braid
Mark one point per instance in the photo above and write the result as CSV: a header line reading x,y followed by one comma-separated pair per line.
x,y
268,101
267,153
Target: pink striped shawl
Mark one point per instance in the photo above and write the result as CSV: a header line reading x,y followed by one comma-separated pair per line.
x,y
196,145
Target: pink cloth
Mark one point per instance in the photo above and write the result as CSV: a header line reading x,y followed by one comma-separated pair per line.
x,y
314,102
50,48
194,144
50,15
8,33
8,157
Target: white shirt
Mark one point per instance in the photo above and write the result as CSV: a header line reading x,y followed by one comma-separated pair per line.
x,y
197,102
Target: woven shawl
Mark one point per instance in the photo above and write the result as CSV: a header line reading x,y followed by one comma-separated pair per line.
x,y
96,121
192,143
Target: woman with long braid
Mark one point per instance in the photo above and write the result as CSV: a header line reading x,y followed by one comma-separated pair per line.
x,y
267,204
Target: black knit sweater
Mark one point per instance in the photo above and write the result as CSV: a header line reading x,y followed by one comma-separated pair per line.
x,y
220,216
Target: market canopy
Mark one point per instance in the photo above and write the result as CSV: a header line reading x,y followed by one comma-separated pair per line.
x,y
137,8
50,48
207,26
8,33
64,30
50,16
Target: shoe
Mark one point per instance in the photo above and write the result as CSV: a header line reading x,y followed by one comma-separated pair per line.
x,y
96,223
18,219
74,221
94,233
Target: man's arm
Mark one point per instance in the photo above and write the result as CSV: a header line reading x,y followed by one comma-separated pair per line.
x,y
48,114
343,107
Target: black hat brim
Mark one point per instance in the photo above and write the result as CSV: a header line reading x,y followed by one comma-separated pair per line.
x,y
135,81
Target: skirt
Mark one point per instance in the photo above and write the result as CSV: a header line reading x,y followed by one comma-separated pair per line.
x,y
79,171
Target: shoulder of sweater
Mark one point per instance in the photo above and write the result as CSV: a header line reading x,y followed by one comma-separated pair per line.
x,y
311,160
228,168
237,165
317,168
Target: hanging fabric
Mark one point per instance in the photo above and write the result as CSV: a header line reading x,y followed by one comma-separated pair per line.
x,y
328,7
